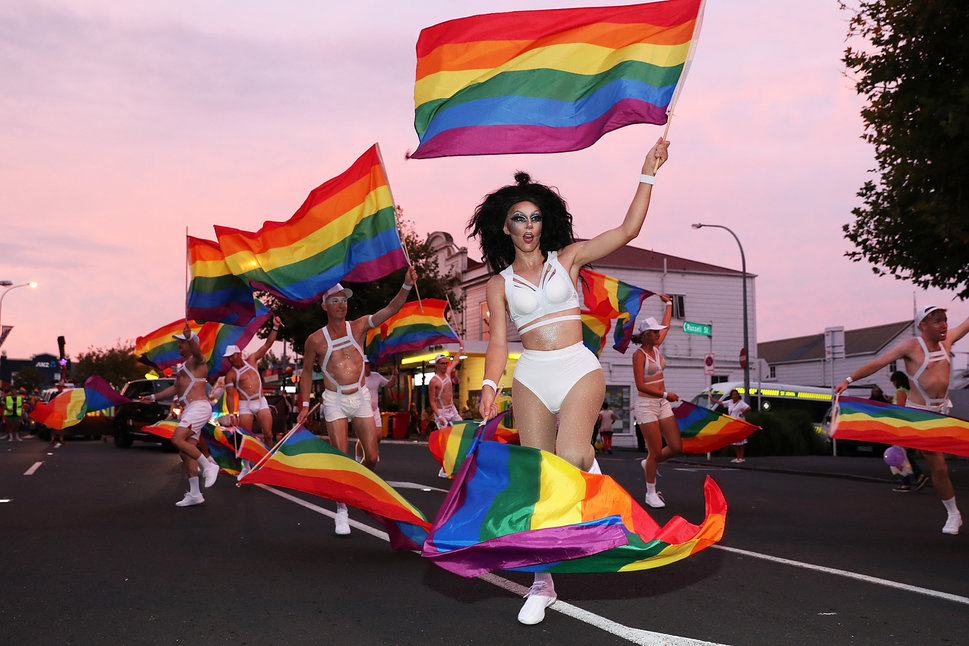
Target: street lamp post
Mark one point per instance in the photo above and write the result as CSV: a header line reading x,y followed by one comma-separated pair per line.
x,y
9,285
743,269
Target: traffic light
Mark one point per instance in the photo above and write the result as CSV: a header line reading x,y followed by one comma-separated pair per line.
x,y
60,346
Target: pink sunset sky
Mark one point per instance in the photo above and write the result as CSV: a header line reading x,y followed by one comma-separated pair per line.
x,y
126,122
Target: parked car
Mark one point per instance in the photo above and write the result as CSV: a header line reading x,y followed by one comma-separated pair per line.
x,y
131,418
93,426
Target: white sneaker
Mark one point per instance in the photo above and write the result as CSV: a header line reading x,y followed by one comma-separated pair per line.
x,y
209,473
442,473
342,527
540,596
245,471
952,524
189,499
654,500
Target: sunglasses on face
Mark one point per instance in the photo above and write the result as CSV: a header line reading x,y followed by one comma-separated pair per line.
x,y
336,300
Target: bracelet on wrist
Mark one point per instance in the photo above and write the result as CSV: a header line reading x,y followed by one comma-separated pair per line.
x,y
647,179
306,404
488,382
664,394
849,379
406,287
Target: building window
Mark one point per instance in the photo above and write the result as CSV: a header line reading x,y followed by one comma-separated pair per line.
x,y
773,373
718,379
679,306
485,321
892,367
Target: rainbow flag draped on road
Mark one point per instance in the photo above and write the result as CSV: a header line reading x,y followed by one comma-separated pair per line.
x,y
410,329
159,350
70,406
215,293
514,507
550,80
451,445
595,327
345,230
870,421
610,297
306,463
704,430
219,441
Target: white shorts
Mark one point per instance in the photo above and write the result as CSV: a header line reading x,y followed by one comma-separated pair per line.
x,y
551,374
346,406
652,409
195,416
377,420
446,415
252,407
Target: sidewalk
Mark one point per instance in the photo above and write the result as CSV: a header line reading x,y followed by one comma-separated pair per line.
x,y
872,469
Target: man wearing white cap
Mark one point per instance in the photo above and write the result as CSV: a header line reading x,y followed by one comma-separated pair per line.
x,y
189,387
440,389
243,377
338,349
927,366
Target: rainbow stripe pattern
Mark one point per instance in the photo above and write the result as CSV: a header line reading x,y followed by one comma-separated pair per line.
x,y
215,293
451,445
548,81
610,297
595,328
704,430
70,406
870,421
306,463
514,507
410,329
345,230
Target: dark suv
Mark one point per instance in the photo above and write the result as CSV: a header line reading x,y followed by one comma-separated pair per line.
x,y
130,418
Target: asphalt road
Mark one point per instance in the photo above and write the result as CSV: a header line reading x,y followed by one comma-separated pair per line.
x,y
95,552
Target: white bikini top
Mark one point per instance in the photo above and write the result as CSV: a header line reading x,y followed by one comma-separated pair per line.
x,y
653,368
927,358
339,344
246,367
554,293
192,381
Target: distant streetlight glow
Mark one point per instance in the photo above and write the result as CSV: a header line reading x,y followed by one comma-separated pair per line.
x,y
9,285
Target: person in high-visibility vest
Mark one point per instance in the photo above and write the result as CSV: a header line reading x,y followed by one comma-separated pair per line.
x,y
13,408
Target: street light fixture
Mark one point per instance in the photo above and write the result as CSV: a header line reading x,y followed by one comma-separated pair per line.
x,y
743,269
9,285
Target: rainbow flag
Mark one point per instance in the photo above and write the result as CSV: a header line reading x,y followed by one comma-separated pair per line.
x,y
246,445
514,507
345,230
410,329
551,80
164,428
159,350
306,463
70,406
595,327
219,442
870,421
215,293
610,297
450,445
704,430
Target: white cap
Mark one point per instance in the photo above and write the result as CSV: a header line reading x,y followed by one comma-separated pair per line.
x,y
336,289
181,337
650,323
925,311
231,350
441,356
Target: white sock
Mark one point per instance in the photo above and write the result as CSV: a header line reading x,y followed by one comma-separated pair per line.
x,y
650,487
547,578
950,506
202,462
193,486
341,507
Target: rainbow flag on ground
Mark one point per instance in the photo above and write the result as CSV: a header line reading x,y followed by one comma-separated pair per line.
x,y
159,350
548,81
345,230
70,406
514,507
704,430
450,445
411,329
306,463
610,297
595,327
870,421
215,294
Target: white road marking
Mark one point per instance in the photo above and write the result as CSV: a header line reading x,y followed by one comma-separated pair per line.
x,y
849,575
414,485
33,469
632,635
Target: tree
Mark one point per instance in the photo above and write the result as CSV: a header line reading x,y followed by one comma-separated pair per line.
x,y
913,71
117,366
29,378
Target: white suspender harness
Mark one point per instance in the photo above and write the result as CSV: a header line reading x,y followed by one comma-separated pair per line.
x,y
928,357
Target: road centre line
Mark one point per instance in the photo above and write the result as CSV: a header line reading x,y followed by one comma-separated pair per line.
x,y
632,635
33,469
849,575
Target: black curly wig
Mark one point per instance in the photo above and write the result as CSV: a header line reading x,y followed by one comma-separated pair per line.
x,y
488,220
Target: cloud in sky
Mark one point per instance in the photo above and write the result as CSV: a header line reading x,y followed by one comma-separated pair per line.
x,y
125,123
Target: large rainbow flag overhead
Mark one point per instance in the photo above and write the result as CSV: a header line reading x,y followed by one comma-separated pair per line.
x,y
514,507
870,421
345,230
610,297
551,80
306,463
215,293
411,329
70,406
704,430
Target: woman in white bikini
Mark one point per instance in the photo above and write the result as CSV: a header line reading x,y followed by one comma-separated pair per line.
x,y
526,237
653,411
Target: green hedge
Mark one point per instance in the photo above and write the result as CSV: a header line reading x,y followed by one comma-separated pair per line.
x,y
784,432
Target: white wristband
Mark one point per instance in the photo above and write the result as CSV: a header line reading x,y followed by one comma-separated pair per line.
x,y
275,329
647,179
664,394
306,404
488,382
153,397
849,379
406,287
